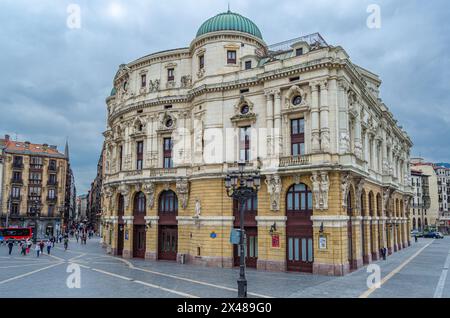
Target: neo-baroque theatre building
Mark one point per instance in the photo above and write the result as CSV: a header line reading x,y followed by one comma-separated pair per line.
x,y
333,160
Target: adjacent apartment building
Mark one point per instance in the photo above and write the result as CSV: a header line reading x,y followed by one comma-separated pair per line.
x,y
334,162
420,206
439,193
34,186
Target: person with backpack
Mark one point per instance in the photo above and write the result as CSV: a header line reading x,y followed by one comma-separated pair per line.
x,y
66,243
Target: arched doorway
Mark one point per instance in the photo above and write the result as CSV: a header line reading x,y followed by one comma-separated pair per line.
x,y
168,226
380,223
49,232
419,224
139,211
120,233
350,245
414,223
363,212
299,229
251,232
372,215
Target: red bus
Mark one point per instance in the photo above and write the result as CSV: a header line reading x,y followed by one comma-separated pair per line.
x,y
18,234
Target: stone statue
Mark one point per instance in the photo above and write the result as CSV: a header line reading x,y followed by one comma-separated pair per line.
x,y
324,188
274,189
345,183
198,208
124,190
182,186
149,188
316,189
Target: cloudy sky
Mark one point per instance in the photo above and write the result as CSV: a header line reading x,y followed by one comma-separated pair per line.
x,y
54,79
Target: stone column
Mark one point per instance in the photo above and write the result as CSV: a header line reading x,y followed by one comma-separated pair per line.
x,y
277,124
367,258
344,141
324,114
358,137
315,129
151,237
375,239
269,122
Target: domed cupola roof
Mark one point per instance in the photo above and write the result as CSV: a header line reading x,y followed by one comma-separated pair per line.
x,y
229,21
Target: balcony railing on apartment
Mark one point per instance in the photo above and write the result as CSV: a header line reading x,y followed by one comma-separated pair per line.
x,y
36,166
52,199
16,181
293,161
52,182
18,165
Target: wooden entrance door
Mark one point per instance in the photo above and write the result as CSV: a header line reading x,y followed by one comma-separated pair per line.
x,y
250,248
139,241
120,240
168,243
299,229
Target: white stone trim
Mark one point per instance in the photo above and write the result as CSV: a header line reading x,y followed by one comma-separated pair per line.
x,y
205,220
330,220
280,221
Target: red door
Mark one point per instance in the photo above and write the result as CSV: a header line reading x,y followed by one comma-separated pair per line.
x,y
299,229
168,243
139,241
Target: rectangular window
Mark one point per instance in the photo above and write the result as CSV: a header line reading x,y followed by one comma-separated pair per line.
x,y
231,57
167,153
120,157
51,210
15,192
34,191
52,165
51,194
170,74
244,144
52,179
248,65
36,163
298,137
17,176
139,155
18,162
143,80
299,52
201,61
14,209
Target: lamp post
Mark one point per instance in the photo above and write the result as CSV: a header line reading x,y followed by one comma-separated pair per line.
x,y
35,212
242,186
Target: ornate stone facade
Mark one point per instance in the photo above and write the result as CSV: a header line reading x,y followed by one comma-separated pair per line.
x,y
313,119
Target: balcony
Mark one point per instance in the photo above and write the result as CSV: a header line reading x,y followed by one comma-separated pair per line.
x,y
36,167
15,198
52,199
52,169
53,183
17,165
34,181
294,161
16,181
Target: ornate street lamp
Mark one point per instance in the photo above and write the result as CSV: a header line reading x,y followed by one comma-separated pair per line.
x,y
241,186
35,211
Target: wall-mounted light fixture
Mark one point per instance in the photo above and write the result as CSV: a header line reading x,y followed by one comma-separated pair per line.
x,y
273,228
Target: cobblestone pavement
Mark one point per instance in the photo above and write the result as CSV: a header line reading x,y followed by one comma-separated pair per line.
x,y
418,271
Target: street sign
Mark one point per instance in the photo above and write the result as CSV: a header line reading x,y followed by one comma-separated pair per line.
x,y
235,236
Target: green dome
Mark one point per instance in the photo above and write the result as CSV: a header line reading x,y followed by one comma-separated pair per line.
x,y
113,92
229,21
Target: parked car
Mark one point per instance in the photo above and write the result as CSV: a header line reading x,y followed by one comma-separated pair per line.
x,y
435,235
416,233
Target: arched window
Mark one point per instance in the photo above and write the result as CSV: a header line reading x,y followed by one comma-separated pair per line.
x,y
414,223
371,210
349,204
168,202
299,198
251,206
139,203
120,206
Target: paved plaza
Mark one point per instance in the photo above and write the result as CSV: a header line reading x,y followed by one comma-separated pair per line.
x,y
419,271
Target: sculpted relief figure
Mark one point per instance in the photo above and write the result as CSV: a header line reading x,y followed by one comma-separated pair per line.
x,y
345,184
149,189
124,190
198,208
316,189
324,188
274,189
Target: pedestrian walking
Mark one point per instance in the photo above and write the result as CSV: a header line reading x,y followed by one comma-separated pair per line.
x,y
66,243
23,248
29,244
49,247
77,236
10,245
415,238
41,246
37,249
53,239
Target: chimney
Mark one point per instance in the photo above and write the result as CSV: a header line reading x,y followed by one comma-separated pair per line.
x,y
27,144
7,137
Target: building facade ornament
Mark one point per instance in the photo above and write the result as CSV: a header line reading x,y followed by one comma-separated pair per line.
x,y
182,187
149,189
274,186
345,187
124,190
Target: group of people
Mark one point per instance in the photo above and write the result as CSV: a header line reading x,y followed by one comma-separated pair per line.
x,y
25,246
